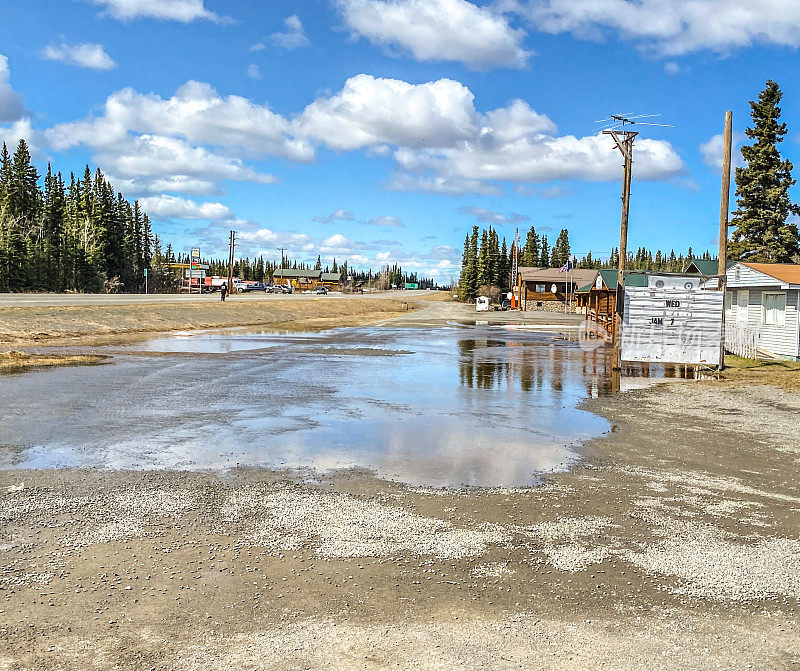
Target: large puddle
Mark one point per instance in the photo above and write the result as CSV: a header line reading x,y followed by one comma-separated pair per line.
x,y
480,405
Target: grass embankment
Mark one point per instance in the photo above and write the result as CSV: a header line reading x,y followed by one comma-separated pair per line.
x,y
19,362
99,324
778,372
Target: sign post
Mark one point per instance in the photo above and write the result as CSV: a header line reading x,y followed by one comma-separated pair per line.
x,y
145,281
194,264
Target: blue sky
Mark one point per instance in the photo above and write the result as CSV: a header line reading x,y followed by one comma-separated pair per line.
x,y
382,130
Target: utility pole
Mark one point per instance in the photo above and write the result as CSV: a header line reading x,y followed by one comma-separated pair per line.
x,y
281,250
624,141
231,256
724,213
515,269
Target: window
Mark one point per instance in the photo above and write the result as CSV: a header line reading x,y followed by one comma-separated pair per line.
x,y
540,288
742,304
774,309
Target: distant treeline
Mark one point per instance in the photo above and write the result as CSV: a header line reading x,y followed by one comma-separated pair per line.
x,y
489,262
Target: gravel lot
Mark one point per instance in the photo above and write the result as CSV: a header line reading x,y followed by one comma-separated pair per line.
x,y
675,544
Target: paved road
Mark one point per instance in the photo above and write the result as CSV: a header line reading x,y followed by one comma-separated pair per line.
x,y
69,300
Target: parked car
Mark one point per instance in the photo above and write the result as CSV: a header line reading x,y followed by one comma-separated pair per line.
x,y
281,289
258,286
322,291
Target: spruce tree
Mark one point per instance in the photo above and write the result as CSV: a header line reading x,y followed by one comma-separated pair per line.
x,y
544,261
531,256
761,231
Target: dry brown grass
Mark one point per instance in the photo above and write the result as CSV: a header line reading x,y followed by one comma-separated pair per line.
x,y
93,324
19,362
780,373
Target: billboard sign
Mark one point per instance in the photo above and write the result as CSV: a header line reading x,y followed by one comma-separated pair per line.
x,y
672,325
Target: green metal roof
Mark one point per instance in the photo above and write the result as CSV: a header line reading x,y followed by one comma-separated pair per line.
x,y
707,266
633,278
330,277
292,272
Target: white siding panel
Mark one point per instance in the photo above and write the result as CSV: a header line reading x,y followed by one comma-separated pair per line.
x,y
672,325
744,276
781,340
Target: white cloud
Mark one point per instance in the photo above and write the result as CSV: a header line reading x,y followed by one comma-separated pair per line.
x,y
437,30
713,148
487,216
253,71
153,157
447,186
184,11
336,215
672,68
23,130
84,55
669,27
265,236
293,37
11,107
373,111
171,207
339,244
196,113
387,221
541,158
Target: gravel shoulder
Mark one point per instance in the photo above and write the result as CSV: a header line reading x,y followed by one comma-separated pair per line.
x,y
674,544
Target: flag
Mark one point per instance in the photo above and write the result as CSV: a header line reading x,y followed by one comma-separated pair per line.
x,y
567,266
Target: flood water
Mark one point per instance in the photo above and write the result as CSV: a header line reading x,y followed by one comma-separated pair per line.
x,y
463,405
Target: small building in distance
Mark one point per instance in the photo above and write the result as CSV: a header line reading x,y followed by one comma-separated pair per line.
x,y
330,280
548,288
762,308
298,279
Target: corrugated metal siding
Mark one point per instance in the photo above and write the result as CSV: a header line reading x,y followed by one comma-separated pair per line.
x,y
672,325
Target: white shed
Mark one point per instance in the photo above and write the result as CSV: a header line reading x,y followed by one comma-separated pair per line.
x,y
762,304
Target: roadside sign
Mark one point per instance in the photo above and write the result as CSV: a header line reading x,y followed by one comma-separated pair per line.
x,y
412,285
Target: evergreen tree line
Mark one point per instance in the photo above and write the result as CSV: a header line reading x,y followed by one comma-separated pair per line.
x,y
488,261
78,235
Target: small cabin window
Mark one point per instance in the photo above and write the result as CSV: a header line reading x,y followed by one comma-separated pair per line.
x,y
774,309
540,288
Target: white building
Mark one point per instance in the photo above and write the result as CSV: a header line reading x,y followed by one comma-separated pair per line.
x,y
762,303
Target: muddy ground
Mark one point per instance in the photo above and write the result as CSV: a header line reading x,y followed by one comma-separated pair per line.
x,y
673,546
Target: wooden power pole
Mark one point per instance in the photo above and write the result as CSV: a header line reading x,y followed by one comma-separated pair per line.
x,y
624,141
231,256
724,206
724,213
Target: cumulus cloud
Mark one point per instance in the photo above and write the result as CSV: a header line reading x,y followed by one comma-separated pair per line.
x,y
84,55
196,113
713,148
541,158
266,236
669,27
336,215
11,107
184,11
373,111
487,216
171,207
293,36
387,221
437,30
339,244
443,144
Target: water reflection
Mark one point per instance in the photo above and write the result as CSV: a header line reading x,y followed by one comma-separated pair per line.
x,y
442,407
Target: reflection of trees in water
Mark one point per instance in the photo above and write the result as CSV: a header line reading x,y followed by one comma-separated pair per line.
x,y
533,366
